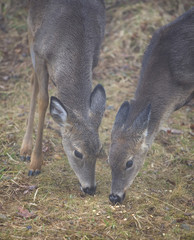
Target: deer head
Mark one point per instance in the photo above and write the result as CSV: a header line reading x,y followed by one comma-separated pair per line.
x,y
80,137
128,149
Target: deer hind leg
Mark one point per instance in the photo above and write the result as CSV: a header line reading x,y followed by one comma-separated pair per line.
x,y
43,99
26,148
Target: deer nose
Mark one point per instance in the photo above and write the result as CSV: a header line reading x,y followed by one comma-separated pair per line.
x,y
90,190
114,198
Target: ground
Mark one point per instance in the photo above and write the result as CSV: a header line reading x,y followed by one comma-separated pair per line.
x,y
159,204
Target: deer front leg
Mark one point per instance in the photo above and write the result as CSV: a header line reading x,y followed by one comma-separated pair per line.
x,y
43,99
26,148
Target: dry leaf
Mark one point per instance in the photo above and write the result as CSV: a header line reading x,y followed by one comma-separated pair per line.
x,y
25,213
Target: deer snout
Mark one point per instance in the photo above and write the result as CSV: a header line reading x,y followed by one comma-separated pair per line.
x,y
114,198
90,190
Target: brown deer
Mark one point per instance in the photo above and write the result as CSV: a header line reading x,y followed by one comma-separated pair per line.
x,y
166,84
64,40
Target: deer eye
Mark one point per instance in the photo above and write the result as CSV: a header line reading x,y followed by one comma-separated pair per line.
x,y
129,164
78,154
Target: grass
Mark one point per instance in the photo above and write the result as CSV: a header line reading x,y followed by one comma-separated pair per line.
x,y
159,205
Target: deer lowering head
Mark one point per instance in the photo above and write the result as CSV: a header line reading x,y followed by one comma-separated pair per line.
x,y
166,84
80,137
128,149
64,39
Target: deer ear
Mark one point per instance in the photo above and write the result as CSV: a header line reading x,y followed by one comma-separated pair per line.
x,y
140,125
58,111
97,104
122,115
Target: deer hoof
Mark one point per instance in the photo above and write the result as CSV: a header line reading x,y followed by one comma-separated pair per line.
x,y
34,172
22,158
25,158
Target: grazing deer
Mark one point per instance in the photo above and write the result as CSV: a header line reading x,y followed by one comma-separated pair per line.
x,y
166,84
64,40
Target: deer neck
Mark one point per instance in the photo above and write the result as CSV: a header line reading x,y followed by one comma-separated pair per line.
x,y
161,105
74,86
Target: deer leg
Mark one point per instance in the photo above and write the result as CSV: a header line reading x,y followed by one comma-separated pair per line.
x,y
43,99
26,148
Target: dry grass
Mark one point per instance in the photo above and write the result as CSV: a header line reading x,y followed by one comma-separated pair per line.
x,y
159,204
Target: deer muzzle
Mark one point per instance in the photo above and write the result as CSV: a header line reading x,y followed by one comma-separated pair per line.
x,y
89,190
114,198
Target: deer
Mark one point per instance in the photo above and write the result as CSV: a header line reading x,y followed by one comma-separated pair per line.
x,y
166,84
64,41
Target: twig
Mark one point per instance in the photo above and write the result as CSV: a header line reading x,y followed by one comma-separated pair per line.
x,y
133,215
10,157
34,199
18,184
